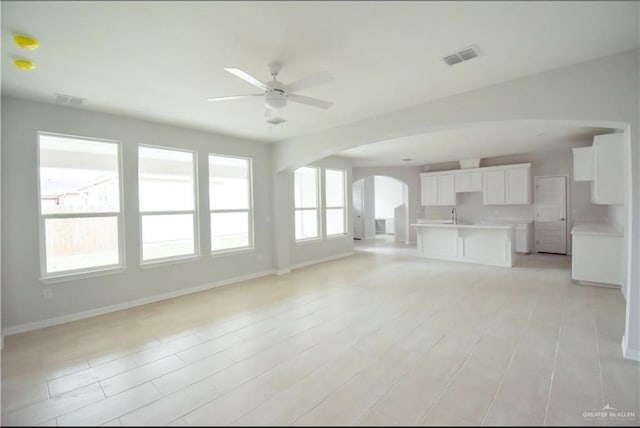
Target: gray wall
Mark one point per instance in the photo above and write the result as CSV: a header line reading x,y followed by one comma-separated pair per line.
x,y
22,292
304,252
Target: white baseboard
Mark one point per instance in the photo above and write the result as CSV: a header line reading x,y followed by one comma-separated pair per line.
x,y
631,354
36,325
321,260
283,271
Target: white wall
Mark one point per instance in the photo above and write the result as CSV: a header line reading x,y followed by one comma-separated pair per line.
x,y
22,293
554,162
305,252
389,194
600,92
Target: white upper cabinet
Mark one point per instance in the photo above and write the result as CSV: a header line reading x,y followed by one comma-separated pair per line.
x,y
500,185
429,190
507,186
438,190
583,163
446,190
607,187
468,182
603,165
518,188
493,190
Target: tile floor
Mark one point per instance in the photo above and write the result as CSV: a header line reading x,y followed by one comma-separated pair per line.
x,y
379,338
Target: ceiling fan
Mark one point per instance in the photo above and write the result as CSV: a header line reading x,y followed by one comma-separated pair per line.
x,y
276,94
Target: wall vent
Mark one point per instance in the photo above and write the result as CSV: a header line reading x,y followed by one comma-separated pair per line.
x,y
69,99
463,55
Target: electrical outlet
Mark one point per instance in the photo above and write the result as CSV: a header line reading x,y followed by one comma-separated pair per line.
x,y
47,293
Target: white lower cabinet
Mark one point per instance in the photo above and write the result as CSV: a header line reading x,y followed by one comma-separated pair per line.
x,y
523,238
597,254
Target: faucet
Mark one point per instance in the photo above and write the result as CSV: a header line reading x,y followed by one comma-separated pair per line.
x,y
454,215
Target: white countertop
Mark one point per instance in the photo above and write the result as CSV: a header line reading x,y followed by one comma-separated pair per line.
x,y
506,220
596,229
466,226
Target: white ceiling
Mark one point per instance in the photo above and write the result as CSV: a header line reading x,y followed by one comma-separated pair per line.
x,y
160,60
477,141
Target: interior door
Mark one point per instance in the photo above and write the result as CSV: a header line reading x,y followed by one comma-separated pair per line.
x,y
358,212
550,228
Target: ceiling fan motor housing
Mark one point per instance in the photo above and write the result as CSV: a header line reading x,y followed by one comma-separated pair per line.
x,y
275,99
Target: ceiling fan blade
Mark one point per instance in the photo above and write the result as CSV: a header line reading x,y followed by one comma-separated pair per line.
x,y
313,102
309,81
234,97
248,78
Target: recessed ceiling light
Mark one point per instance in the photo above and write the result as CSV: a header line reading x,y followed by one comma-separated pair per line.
x,y
407,160
24,64
25,42
68,99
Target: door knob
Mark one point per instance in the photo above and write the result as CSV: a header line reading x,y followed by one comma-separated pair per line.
x,y
562,219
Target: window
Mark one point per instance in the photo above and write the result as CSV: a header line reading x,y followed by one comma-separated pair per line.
x,y
306,203
80,207
166,189
334,187
230,203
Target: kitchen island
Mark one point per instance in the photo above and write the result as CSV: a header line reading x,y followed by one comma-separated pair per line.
x,y
487,244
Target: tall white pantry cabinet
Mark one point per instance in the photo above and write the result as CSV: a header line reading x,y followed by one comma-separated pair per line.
x,y
598,249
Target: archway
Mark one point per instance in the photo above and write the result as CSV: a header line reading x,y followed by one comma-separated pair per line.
x,y
381,207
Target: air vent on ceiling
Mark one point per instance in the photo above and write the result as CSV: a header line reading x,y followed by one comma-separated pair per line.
x,y
463,55
69,99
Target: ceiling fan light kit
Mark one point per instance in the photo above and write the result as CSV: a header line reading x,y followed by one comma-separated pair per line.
x,y
275,99
276,94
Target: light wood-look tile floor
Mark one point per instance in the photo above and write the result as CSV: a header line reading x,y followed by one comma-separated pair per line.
x,y
379,338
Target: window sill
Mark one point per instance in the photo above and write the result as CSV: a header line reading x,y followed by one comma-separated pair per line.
x,y
172,261
308,240
54,279
337,236
232,251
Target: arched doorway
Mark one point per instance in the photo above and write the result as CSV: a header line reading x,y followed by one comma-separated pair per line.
x,y
381,208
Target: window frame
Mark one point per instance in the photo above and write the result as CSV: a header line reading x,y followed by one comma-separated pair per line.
x,y
196,222
249,211
72,274
343,207
317,208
